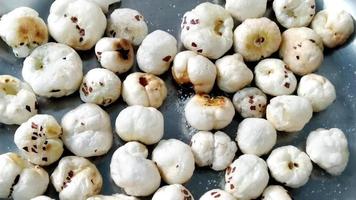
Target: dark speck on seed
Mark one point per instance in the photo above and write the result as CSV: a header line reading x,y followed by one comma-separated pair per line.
x,y
65,15
194,44
311,40
25,148
64,58
70,174
297,57
252,107
22,43
200,50
313,6
44,159
101,83
55,90
80,39
28,108
137,17
74,19
232,186
77,27
286,85
124,53
81,32
167,58
34,138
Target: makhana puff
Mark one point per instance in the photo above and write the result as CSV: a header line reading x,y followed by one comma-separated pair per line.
x,y
69,22
115,54
246,177
207,30
205,113
156,52
100,86
143,124
214,150
144,89
275,192
189,67
87,130
19,179
217,194
53,70
17,101
250,102
76,178
39,139
174,160
242,9
173,192
23,30
131,170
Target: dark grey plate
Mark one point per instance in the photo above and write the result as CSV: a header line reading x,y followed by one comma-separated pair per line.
x,y
339,66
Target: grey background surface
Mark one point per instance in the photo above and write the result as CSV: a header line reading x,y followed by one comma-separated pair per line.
x,y
339,67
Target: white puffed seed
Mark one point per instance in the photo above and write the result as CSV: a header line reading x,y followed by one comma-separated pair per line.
x,y
23,30
70,23
205,113
17,101
189,67
250,102
131,170
334,26
289,113
257,38
232,73
328,148
214,150
290,166
318,90
20,180
144,89
39,139
207,30
127,23
83,135
246,177
302,50
143,124
156,52
242,9
217,194
175,161
112,197
256,136
76,178
53,70
294,13
115,54
173,192
273,77
275,192
100,86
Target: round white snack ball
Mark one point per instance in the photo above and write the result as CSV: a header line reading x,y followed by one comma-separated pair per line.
x,y
87,130
144,89
232,73
189,67
328,149
112,197
20,180
42,198
207,30
175,161
214,150
127,23
23,30
115,54
143,124
17,101
257,38
156,52
334,26
290,166
205,113
273,78
256,136
275,192
302,50
53,70
173,192
289,113
77,23
39,139
242,9
250,102
76,178
318,90
246,177
131,170
294,13
217,194
100,86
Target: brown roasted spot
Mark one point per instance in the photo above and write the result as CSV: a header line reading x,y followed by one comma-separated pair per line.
x,y
30,30
143,81
124,49
292,165
167,58
218,25
212,101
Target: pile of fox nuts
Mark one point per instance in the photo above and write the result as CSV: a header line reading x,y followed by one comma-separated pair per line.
x,y
286,93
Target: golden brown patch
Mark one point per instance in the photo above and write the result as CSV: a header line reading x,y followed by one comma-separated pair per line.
x,y
30,30
211,101
218,24
124,50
